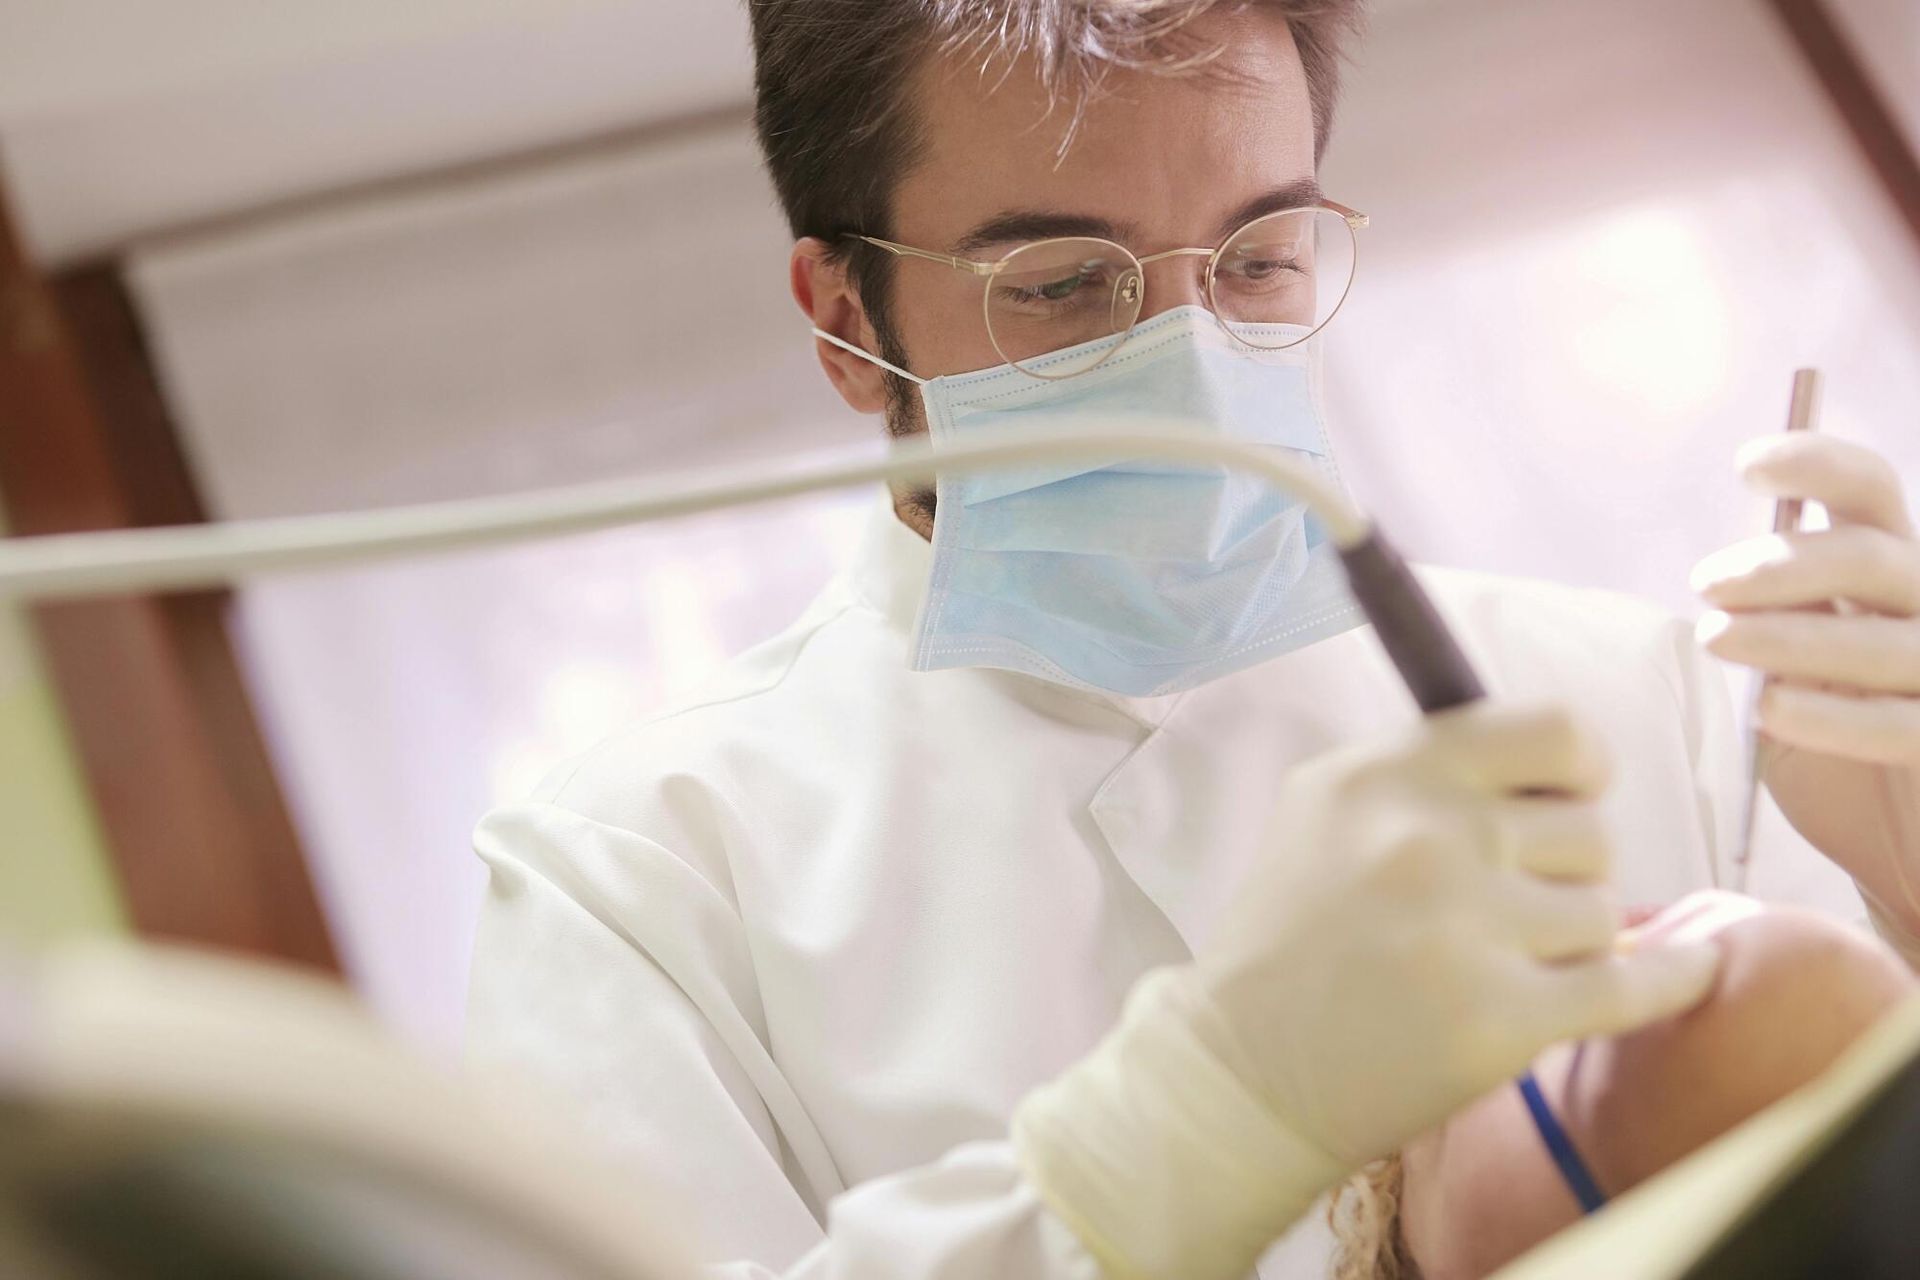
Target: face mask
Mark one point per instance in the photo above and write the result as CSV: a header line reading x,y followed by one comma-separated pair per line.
x,y
1137,578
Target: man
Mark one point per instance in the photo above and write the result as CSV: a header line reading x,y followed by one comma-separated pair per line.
x,y
813,941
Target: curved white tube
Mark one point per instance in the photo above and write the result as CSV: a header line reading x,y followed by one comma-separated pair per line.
x,y
189,557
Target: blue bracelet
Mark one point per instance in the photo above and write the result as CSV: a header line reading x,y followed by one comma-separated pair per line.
x,y
1573,1169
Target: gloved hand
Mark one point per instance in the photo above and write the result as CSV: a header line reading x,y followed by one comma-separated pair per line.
x,y
1832,616
1429,915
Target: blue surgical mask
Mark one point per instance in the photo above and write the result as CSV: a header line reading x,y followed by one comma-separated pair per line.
x,y
1138,578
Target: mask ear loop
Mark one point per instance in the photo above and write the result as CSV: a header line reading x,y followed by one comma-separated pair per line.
x,y
868,356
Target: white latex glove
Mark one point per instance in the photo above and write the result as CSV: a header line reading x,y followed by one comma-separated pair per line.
x,y
1832,617
1431,914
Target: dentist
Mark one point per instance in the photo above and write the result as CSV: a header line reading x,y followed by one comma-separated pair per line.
x,y
1071,889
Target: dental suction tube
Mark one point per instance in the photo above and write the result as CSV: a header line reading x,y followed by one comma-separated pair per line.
x,y
118,562
62,566
189,557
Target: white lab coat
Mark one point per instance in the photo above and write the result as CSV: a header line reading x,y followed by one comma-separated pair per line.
x,y
800,947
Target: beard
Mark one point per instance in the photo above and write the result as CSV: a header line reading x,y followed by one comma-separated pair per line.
x,y
906,416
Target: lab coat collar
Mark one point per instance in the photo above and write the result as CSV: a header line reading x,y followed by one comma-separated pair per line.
x,y
890,573
1185,812
1188,813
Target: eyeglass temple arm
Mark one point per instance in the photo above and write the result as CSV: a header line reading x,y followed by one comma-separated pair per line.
x,y
908,251
1354,217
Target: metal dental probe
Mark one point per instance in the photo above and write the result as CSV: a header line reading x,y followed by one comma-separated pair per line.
x,y
1802,415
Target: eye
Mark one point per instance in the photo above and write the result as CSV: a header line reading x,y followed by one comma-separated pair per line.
x,y
1054,289
1062,289
1266,265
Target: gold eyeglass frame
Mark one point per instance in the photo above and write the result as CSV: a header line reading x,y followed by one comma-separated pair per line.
x,y
1353,218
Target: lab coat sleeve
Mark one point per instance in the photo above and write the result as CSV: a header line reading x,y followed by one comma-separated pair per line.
x,y
611,973
1713,746
970,1214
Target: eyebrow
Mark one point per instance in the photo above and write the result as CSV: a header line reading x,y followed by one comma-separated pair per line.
x,y
1018,225
1033,224
1298,194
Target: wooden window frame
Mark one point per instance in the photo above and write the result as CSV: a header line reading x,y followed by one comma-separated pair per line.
x,y
192,813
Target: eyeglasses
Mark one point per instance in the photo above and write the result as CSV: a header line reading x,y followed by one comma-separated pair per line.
x,y
1272,284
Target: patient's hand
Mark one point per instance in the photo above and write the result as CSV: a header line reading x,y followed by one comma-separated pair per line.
x,y
1795,990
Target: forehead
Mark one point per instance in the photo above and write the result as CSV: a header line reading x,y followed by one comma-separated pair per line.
x,y
1163,154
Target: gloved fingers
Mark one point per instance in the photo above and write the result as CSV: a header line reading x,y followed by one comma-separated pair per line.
x,y
1507,747
1553,837
1557,922
1698,916
1878,728
1858,651
1855,484
1618,992
1869,567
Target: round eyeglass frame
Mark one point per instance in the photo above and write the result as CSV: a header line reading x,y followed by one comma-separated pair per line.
x,y
1353,219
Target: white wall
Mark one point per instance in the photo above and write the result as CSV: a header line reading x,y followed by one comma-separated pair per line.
x,y
619,314
121,117
1602,240
1600,246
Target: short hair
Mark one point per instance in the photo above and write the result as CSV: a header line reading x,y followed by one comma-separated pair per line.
x,y
831,79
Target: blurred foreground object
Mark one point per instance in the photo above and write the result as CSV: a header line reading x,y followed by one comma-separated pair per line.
x,y
1820,1184
166,1115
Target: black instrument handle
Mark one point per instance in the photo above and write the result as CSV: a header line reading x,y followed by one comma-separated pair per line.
x,y
1411,630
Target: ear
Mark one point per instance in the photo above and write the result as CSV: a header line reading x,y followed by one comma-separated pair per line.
x,y
827,297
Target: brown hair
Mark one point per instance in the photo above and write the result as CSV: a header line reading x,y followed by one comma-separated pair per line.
x,y
831,80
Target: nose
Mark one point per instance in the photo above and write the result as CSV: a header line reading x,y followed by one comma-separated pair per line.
x,y
1174,282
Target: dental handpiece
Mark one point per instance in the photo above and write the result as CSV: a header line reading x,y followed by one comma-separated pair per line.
x,y
1410,629
1438,675
194,557
119,562
1418,643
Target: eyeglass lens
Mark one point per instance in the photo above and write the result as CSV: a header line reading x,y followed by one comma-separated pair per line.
x,y
1275,282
